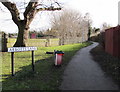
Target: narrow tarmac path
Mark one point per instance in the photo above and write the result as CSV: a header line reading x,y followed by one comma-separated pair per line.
x,y
83,73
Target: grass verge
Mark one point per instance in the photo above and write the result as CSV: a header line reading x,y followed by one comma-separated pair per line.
x,y
46,75
109,64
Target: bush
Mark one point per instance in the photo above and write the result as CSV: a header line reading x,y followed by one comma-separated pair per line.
x,y
102,39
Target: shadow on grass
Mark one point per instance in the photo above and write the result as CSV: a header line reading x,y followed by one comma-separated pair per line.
x,y
45,77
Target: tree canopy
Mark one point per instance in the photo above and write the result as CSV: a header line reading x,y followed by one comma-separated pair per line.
x,y
32,8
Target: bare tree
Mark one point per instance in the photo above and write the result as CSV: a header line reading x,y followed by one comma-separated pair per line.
x,y
23,24
69,24
105,26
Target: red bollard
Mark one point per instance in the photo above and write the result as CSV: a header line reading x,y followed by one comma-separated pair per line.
x,y
58,59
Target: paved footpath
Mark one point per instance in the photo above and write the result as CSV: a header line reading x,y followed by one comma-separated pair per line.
x,y
83,73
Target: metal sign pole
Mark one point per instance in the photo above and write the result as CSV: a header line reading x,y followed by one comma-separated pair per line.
x,y
21,49
12,63
33,60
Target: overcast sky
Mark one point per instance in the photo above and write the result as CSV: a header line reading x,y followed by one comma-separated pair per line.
x,y
100,11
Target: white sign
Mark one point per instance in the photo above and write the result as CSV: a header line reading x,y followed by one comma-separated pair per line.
x,y
20,49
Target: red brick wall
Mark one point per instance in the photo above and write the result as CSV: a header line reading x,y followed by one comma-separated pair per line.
x,y
112,41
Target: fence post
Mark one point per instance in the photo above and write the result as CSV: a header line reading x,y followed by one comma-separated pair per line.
x,y
4,42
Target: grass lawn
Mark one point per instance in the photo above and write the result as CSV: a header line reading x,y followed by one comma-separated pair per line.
x,y
109,64
46,75
35,42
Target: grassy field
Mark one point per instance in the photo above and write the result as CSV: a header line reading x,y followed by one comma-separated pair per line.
x,y
35,42
46,75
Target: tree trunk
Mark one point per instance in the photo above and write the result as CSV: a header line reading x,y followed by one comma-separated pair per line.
x,y
22,36
61,41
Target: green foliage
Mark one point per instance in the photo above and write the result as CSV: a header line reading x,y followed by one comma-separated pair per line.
x,y
101,39
97,30
46,75
89,32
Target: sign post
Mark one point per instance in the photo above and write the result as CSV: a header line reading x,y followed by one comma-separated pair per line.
x,y
12,63
20,49
33,60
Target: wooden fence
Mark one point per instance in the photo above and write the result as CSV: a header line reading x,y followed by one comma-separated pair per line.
x,y
36,42
112,41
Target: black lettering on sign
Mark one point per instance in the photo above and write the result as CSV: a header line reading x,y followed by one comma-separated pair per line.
x,y
19,49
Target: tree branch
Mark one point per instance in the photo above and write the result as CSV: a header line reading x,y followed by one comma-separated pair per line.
x,y
13,10
31,6
48,9
31,11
